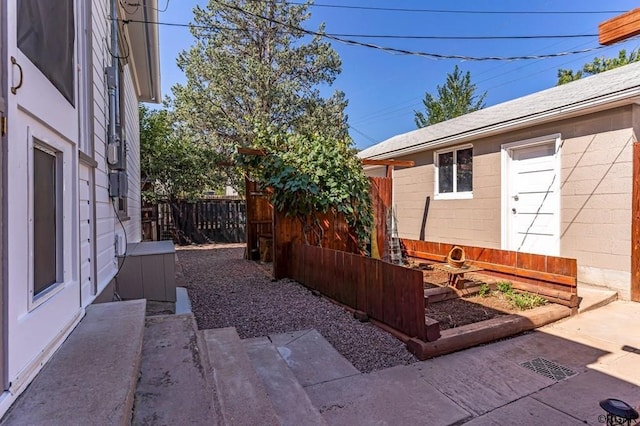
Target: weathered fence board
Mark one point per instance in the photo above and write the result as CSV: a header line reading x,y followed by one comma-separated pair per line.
x,y
388,293
220,220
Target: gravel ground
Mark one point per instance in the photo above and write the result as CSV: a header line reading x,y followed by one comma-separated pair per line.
x,y
228,291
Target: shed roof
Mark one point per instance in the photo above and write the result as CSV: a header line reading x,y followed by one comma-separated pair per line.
x,y
601,91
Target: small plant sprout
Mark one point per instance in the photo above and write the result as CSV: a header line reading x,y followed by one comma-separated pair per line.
x,y
484,290
504,287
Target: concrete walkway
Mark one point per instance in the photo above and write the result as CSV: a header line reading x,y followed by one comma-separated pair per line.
x,y
597,353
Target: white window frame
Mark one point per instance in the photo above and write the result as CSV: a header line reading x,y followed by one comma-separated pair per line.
x,y
61,153
455,195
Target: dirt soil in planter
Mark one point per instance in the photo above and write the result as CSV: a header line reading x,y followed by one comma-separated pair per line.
x,y
468,310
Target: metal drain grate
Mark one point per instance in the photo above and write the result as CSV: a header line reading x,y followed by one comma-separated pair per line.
x,y
549,369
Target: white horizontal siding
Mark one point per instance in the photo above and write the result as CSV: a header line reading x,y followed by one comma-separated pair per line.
x,y
132,131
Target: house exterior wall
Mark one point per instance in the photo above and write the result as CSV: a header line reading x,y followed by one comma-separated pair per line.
x,y
106,264
133,225
595,212
107,224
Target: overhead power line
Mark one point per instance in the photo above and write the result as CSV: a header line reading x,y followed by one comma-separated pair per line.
x,y
469,12
438,37
387,36
394,50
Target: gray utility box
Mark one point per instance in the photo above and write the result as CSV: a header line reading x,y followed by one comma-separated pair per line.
x,y
148,271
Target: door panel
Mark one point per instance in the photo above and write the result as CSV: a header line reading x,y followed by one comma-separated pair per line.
x,y
42,121
3,139
533,200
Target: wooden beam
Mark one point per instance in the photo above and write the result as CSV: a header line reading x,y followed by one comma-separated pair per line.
x,y
370,162
635,226
620,28
251,151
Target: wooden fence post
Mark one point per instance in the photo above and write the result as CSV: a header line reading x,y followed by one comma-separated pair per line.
x,y
635,226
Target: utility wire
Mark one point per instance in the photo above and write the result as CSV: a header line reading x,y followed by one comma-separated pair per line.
x,y
470,12
389,36
391,50
427,37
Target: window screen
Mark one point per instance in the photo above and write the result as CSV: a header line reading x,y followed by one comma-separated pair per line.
x,y
445,172
45,220
464,159
46,36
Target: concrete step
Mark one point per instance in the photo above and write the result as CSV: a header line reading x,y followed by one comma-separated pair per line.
x,y
289,399
91,379
242,397
311,358
595,297
172,388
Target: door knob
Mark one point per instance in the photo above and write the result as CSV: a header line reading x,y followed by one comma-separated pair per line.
x,y
515,197
513,210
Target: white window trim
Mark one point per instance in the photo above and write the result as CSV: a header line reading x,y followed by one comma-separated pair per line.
x,y
64,152
465,195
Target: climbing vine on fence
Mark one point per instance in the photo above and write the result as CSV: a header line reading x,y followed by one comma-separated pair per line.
x,y
311,175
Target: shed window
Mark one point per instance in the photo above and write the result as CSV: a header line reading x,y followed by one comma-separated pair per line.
x,y
454,173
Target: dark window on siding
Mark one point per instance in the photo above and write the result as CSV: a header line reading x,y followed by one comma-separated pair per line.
x,y
46,230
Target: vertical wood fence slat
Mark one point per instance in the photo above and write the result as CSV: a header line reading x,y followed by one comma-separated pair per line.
x,y
635,225
218,220
388,293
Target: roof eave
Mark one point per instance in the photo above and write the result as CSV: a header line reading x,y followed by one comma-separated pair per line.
x,y
144,55
624,97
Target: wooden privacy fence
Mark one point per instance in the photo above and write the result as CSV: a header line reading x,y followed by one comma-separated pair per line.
x,y
220,220
550,276
336,233
391,294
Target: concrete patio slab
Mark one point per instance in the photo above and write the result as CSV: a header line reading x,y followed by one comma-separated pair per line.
x,y
172,388
290,401
580,395
91,378
481,379
615,323
395,396
625,367
525,412
311,358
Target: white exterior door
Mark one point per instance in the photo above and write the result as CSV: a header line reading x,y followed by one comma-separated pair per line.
x,y
42,188
531,197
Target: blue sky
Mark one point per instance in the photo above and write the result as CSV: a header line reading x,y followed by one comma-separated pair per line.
x,y
384,89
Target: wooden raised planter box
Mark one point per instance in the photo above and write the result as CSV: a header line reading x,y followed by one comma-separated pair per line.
x,y
554,278
455,339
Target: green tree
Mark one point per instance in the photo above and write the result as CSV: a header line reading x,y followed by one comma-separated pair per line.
x,y
310,175
250,67
172,166
455,98
598,65
175,169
